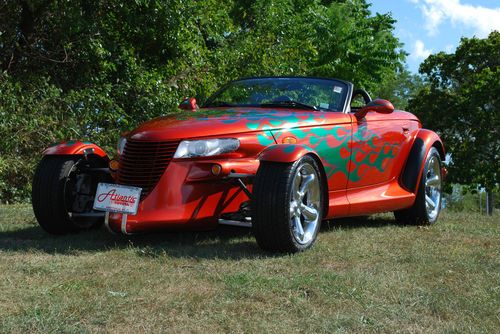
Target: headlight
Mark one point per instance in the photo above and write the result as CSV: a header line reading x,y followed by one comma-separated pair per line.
x,y
121,145
206,148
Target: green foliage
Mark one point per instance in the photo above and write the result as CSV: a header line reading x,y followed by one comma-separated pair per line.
x,y
399,87
91,69
28,123
461,103
464,199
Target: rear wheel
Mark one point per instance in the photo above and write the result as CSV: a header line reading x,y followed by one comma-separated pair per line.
x,y
427,204
63,195
287,205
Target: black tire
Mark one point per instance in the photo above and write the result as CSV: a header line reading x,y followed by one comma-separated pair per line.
x,y
271,205
418,214
51,196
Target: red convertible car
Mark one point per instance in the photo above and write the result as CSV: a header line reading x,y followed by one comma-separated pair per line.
x,y
279,154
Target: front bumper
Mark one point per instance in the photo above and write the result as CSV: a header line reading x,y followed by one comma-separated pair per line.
x,y
189,196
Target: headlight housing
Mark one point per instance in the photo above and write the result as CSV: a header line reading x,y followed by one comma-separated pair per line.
x,y
120,147
206,147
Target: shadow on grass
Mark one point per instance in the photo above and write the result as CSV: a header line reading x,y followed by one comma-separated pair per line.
x,y
226,242
361,222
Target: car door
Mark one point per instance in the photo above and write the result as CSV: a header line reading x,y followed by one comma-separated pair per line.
x,y
376,145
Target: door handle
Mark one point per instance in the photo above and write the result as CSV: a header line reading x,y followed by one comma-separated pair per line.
x,y
406,130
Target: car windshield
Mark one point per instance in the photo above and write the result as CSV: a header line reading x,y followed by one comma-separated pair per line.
x,y
299,93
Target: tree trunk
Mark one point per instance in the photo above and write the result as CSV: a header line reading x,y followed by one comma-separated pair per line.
x,y
489,202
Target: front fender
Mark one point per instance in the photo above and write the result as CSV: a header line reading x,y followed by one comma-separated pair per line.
x,y
75,147
424,141
289,153
284,153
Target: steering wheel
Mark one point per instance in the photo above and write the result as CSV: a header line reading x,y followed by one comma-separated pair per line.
x,y
364,94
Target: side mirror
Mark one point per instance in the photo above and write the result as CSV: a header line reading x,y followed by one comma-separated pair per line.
x,y
189,103
377,105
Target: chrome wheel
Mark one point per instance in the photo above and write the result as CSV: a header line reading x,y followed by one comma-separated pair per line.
x,y
305,204
433,188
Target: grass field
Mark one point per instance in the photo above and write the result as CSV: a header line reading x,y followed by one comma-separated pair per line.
x,y
366,275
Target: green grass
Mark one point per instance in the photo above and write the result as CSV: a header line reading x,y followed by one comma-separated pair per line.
x,y
366,275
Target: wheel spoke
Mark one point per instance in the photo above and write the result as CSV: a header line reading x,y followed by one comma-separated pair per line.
x,y
304,203
292,209
430,202
306,180
310,213
296,186
433,181
298,227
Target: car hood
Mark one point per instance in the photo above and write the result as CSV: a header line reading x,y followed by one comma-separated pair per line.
x,y
227,121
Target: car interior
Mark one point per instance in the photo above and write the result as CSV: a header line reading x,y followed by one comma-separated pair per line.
x,y
359,99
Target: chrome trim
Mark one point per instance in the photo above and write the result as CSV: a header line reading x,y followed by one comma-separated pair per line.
x,y
433,184
235,223
305,204
238,176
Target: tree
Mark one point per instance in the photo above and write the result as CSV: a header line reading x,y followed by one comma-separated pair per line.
x,y
461,103
399,87
91,69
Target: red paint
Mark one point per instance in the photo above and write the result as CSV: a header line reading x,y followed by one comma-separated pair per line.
x,y
344,153
430,139
179,203
74,148
378,198
379,106
364,176
189,104
284,153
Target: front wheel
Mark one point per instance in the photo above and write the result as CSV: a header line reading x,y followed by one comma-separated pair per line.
x,y
287,205
427,204
62,196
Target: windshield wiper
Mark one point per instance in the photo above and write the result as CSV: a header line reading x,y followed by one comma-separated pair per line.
x,y
289,104
219,104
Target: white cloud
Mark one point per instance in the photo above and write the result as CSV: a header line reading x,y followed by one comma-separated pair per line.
x,y
449,48
419,51
481,19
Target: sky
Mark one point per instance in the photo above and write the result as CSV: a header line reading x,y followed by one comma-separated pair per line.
x,y
431,26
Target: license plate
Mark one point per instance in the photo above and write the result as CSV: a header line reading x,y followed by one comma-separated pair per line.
x,y
117,198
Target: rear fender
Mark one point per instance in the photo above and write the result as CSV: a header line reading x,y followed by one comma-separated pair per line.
x,y
75,147
424,141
